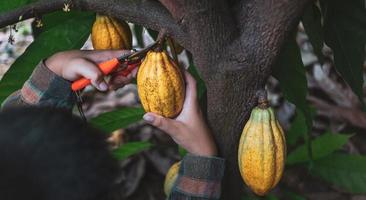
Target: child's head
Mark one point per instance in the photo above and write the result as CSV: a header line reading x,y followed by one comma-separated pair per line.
x,y
48,154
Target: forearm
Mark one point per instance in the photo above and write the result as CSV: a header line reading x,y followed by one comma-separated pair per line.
x,y
199,178
43,88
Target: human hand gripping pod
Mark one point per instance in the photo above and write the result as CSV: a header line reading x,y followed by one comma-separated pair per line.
x,y
122,65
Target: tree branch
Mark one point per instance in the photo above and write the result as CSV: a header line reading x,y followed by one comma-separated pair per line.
x,y
210,24
29,11
148,13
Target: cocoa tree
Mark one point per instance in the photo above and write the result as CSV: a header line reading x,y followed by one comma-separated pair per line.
x,y
234,43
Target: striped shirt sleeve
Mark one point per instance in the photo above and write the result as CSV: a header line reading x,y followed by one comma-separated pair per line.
x,y
43,88
199,178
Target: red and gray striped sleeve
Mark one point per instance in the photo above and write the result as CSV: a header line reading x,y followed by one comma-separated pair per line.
x,y
43,88
199,178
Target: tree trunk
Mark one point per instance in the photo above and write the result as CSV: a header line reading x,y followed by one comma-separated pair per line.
x,y
230,98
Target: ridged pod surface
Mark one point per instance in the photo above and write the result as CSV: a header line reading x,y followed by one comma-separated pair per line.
x,y
171,177
108,33
160,85
262,151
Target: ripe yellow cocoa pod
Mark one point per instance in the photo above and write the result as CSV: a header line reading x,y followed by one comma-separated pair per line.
x,y
160,85
262,151
171,177
108,33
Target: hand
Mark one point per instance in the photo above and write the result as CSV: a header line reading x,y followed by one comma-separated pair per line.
x,y
72,65
189,129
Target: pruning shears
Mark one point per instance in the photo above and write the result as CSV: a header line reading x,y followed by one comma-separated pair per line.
x,y
107,67
122,65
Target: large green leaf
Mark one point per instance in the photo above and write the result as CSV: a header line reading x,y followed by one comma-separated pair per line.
x,y
120,118
290,72
130,149
6,5
346,171
345,33
322,146
298,128
313,27
62,31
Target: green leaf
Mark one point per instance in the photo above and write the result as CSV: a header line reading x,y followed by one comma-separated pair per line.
x,y
120,118
139,31
293,196
192,69
130,149
345,171
252,197
201,87
6,5
345,33
290,72
322,146
298,128
313,27
62,31
182,152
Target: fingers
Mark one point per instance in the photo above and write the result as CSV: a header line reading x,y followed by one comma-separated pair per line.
x,y
134,72
87,69
165,124
98,56
118,80
103,55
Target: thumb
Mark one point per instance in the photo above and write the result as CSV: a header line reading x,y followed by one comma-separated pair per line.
x,y
165,124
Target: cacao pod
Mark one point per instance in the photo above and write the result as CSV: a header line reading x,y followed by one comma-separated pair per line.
x,y
108,33
160,85
171,177
262,151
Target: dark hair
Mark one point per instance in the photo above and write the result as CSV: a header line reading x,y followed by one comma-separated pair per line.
x,y
49,154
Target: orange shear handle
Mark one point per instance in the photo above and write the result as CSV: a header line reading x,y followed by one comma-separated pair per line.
x,y
106,67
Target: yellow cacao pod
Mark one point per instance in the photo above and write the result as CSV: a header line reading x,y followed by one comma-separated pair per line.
x,y
108,33
262,151
171,177
160,85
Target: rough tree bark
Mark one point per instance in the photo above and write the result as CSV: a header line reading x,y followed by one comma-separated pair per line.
x,y
234,44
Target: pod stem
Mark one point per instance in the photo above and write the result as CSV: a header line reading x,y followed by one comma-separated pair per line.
x,y
160,40
173,50
262,99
